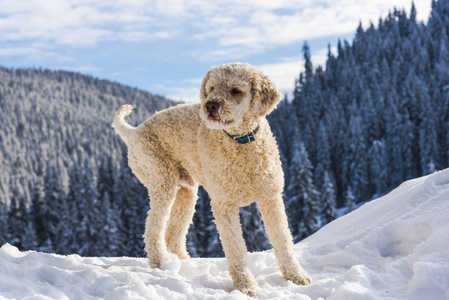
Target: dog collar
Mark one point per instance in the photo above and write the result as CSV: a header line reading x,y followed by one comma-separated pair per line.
x,y
244,139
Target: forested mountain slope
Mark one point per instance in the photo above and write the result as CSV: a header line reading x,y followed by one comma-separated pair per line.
x,y
58,118
375,115
55,136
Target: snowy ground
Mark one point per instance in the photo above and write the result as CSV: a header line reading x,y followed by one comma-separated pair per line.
x,y
395,247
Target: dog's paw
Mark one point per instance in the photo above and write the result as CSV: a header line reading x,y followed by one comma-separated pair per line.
x,y
155,264
244,281
155,260
302,279
250,291
247,286
180,251
183,255
292,271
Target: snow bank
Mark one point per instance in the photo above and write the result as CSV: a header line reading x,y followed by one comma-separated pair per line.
x,y
396,247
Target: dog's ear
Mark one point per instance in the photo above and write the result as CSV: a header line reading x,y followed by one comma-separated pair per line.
x,y
265,94
203,92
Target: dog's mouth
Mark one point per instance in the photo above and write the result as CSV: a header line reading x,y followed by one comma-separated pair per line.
x,y
215,118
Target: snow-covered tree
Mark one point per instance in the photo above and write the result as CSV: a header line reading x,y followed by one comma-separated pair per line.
x,y
349,200
17,221
106,178
29,241
328,201
37,215
54,196
109,240
378,166
90,214
303,198
76,208
3,224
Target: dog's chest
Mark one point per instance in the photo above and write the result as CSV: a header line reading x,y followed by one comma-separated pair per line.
x,y
243,170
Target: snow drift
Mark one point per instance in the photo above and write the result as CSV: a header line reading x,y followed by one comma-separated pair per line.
x,y
395,247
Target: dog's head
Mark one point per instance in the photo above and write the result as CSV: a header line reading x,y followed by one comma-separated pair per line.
x,y
231,93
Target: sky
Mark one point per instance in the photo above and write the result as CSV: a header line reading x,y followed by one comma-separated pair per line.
x,y
166,46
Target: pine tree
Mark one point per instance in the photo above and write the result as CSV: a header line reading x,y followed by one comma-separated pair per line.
x,y
109,241
203,239
132,197
214,247
349,200
106,178
427,134
328,201
308,67
75,206
3,224
29,241
90,213
413,13
17,220
54,202
355,165
64,240
37,215
378,167
323,156
302,206
136,229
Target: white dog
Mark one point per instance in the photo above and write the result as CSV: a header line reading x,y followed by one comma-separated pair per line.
x,y
225,144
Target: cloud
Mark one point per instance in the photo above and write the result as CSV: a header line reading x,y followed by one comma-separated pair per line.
x,y
287,70
266,24
187,94
75,23
234,24
283,73
186,90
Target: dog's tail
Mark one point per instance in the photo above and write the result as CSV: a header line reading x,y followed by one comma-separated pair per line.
x,y
123,129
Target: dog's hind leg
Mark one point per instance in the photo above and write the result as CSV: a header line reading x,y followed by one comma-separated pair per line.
x,y
161,202
159,175
180,218
275,221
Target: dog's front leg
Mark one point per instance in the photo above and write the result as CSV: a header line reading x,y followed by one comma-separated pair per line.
x,y
275,221
228,224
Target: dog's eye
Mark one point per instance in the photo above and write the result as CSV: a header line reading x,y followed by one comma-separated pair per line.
x,y
236,91
211,89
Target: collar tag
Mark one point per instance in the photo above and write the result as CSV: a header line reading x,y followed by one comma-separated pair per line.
x,y
244,139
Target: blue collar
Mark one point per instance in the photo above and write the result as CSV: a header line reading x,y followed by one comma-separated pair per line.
x,y
244,139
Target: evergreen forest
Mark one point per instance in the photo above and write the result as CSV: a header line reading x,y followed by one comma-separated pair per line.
x,y
375,115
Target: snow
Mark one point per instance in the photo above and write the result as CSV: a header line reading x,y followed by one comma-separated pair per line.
x,y
395,247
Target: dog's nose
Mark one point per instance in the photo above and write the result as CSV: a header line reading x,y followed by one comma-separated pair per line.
x,y
212,106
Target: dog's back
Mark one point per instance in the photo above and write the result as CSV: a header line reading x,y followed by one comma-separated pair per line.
x,y
173,129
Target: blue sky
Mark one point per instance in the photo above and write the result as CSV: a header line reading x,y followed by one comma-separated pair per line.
x,y
166,46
